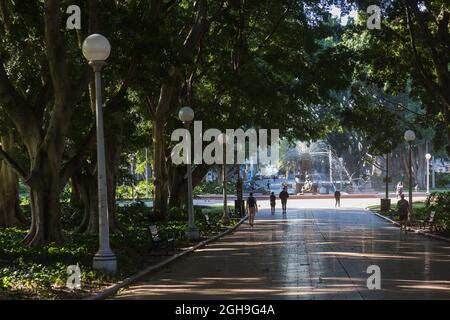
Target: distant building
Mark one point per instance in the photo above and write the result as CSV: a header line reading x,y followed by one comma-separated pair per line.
x,y
442,166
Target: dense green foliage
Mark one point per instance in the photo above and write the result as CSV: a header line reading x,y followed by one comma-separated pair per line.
x,y
214,187
439,202
42,271
286,65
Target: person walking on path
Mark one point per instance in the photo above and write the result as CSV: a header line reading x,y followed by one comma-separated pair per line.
x,y
337,197
403,211
252,209
273,200
284,195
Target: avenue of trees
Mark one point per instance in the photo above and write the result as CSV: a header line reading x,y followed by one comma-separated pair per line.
x,y
238,63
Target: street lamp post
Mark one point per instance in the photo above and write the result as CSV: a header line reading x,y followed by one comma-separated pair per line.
x,y
386,202
330,162
387,176
226,216
433,173
96,50
428,157
186,115
146,173
410,136
341,161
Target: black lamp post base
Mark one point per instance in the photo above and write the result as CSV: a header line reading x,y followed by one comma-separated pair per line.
x,y
385,205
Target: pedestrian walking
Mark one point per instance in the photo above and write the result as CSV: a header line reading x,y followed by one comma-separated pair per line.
x,y
337,197
403,211
252,208
273,200
284,195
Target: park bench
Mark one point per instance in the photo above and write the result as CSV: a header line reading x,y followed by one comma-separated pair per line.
x,y
430,222
210,225
160,240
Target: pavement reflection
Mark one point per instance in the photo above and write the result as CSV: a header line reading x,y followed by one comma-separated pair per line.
x,y
309,254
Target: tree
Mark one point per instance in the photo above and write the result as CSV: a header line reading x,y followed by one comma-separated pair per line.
x,y
39,91
239,80
412,46
10,215
352,147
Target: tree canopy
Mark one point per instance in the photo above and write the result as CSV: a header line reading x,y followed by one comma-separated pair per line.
x,y
288,65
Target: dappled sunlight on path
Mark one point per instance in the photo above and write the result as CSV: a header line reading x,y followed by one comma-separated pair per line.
x,y
308,254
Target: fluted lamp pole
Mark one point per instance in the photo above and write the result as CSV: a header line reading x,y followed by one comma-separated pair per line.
x,y
186,115
96,50
410,136
428,158
222,139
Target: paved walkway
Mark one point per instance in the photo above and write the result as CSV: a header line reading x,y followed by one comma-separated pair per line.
x,y
311,254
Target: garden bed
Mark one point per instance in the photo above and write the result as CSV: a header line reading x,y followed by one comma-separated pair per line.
x,y
438,202
41,272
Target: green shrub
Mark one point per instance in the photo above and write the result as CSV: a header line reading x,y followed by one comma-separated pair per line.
x,y
178,214
126,192
440,203
443,180
42,271
134,214
123,192
214,187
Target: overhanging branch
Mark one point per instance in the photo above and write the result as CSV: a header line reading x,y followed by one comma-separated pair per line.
x,y
13,164
75,162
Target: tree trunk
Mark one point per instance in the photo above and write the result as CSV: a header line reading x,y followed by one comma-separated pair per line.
x,y
160,171
178,184
75,199
88,192
86,183
421,166
45,205
87,186
9,191
113,149
167,104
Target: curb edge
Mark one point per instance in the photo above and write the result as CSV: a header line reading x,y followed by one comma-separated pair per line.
x,y
426,234
111,290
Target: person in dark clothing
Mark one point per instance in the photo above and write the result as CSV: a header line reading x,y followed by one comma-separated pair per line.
x,y
273,200
284,195
252,208
403,211
337,197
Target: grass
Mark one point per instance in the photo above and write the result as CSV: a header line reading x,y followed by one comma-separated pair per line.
x,y
416,205
418,209
41,272
420,212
